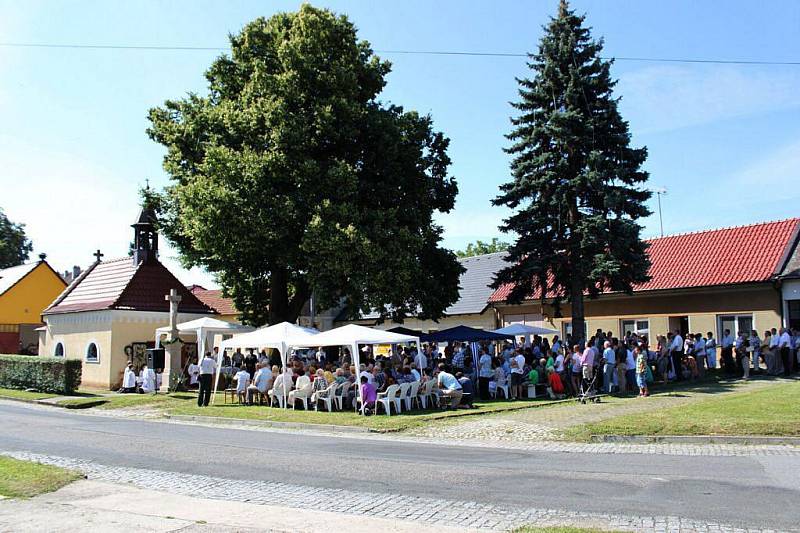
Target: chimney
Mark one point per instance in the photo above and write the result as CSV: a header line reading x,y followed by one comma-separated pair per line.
x,y
76,271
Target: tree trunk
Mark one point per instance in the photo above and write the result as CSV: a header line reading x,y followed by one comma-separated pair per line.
x,y
279,297
576,304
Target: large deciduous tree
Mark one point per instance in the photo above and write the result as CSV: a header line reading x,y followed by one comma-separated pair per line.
x,y
291,177
14,244
576,190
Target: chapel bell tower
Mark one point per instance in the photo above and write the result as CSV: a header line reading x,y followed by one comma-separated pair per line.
x,y
145,237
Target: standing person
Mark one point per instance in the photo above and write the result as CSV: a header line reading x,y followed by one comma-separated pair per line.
x,y
711,351
727,352
587,364
784,345
774,341
194,374
576,369
641,371
421,360
700,353
740,347
207,368
621,367
517,372
755,350
128,379
485,374
609,362
676,350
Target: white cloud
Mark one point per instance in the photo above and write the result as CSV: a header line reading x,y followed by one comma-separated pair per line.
x,y
663,98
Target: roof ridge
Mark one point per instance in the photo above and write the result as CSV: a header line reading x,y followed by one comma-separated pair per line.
x,y
725,228
482,255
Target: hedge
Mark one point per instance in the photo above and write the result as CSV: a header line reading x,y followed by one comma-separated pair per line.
x,y
44,374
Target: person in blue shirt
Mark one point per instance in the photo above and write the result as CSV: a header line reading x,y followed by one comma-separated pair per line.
x,y
449,387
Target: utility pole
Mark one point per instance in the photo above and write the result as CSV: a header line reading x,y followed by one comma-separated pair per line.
x,y
659,191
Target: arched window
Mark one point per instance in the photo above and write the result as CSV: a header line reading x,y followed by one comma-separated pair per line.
x,y
59,350
92,353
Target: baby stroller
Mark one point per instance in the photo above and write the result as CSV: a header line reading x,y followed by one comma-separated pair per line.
x,y
588,388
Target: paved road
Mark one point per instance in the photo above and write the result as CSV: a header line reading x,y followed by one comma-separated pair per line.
x,y
757,491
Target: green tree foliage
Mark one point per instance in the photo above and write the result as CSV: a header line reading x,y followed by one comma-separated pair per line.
x,y
290,176
480,248
576,181
14,245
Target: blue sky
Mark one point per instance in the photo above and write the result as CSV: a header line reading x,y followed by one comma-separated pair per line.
x,y
723,139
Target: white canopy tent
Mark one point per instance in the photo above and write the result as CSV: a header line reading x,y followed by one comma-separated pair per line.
x,y
523,330
281,336
204,329
352,335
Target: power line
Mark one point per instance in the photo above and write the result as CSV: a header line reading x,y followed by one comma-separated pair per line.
x,y
397,52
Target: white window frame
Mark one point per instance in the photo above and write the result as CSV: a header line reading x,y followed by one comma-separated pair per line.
x,y
736,316
635,330
86,352
63,349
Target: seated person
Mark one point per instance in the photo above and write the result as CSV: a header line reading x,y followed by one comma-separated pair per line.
x,y
261,382
320,383
340,377
449,387
467,388
128,379
414,371
555,388
242,378
369,396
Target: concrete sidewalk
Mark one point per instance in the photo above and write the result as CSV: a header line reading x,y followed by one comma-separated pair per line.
x,y
94,506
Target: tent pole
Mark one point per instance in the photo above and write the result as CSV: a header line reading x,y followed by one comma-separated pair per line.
x,y
357,360
285,370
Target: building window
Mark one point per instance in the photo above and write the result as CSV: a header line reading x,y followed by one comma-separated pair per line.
x,y
92,353
794,313
567,327
639,326
734,323
59,350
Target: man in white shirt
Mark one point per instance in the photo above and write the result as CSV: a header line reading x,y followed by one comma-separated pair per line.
x,y
320,356
726,355
207,368
517,371
261,382
700,353
676,349
609,361
421,361
242,378
128,379
366,372
711,350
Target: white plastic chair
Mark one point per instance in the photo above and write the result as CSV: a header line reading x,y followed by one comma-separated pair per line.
x,y
426,393
501,387
413,395
389,398
402,395
277,391
326,396
302,393
341,394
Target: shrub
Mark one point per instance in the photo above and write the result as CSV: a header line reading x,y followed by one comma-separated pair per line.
x,y
44,374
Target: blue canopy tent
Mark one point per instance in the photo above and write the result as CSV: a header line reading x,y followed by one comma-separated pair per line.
x,y
466,334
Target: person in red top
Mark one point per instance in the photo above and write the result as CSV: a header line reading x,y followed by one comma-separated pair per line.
x,y
555,388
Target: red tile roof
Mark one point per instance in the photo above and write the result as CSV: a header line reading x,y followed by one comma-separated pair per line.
x,y
119,284
727,256
215,300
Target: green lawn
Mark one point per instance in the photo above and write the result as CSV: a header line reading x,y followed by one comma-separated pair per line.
x,y
185,404
22,479
770,411
25,395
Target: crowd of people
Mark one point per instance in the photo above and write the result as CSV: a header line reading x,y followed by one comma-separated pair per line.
x,y
512,370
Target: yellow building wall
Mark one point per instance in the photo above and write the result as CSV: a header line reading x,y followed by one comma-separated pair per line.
x,y
94,375
703,307
484,320
24,302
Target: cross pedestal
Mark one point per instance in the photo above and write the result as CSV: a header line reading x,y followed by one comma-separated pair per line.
x,y
172,355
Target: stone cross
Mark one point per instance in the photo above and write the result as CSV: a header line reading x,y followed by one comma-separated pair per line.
x,y
172,359
174,299
98,255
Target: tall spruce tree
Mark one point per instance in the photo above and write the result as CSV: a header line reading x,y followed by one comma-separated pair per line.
x,y
576,192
